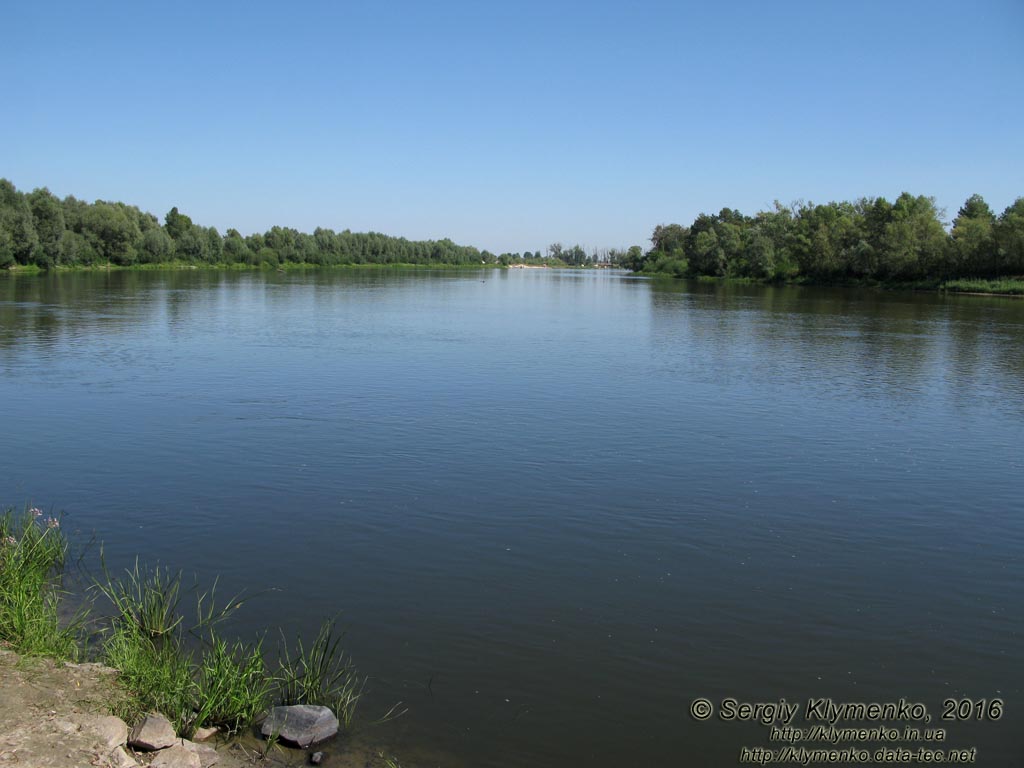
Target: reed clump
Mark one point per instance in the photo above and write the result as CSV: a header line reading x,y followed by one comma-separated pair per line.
x,y
164,637
196,677
33,550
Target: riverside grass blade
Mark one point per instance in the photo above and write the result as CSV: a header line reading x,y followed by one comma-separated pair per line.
x,y
322,675
233,684
148,598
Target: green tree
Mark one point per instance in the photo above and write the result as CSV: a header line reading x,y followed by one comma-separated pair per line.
x,y
18,241
268,257
760,254
575,256
1009,236
670,239
177,224
777,227
235,249
6,248
730,240
825,238
48,220
914,240
634,258
112,232
706,254
155,247
193,245
76,249
74,213
974,249
214,245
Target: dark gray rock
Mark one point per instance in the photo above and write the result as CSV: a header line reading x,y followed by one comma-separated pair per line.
x,y
301,724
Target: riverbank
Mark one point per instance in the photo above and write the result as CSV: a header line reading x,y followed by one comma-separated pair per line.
x,y
59,714
32,269
180,266
1005,287
970,287
54,711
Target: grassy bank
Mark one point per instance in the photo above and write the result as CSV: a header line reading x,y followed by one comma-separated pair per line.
x,y
993,287
164,638
1005,286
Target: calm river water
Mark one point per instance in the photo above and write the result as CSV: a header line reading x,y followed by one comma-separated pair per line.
x,y
552,508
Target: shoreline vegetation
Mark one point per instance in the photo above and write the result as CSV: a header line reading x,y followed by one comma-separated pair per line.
x,y
41,232
169,658
867,242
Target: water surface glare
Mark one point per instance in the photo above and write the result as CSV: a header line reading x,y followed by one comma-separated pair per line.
x,y
553,507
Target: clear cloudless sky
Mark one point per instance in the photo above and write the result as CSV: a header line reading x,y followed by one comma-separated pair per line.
x,y
510,125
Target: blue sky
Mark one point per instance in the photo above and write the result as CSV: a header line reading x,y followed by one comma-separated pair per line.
x,y
510,125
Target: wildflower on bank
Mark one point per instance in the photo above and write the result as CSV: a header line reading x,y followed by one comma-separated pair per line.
x,y
11,540
36,512
52,522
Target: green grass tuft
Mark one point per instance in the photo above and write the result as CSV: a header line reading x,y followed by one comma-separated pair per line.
x,y
188,673
145,599
233,686
156,672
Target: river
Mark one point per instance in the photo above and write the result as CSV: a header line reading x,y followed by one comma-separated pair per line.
x,y
552,508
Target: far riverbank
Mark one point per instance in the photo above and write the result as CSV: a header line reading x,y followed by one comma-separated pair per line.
x,y
968,287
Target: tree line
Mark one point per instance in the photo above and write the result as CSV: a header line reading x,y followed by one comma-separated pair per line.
x,y
869,238
40,229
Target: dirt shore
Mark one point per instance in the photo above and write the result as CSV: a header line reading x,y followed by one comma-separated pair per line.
x,y
59,715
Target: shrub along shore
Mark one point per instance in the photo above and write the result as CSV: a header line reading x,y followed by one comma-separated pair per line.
x,y
163,638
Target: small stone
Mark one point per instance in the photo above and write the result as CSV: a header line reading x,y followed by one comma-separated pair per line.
x,y
316,758
154,732
202,734
176,757
109,731
301,724
121,759
207,754
112,730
